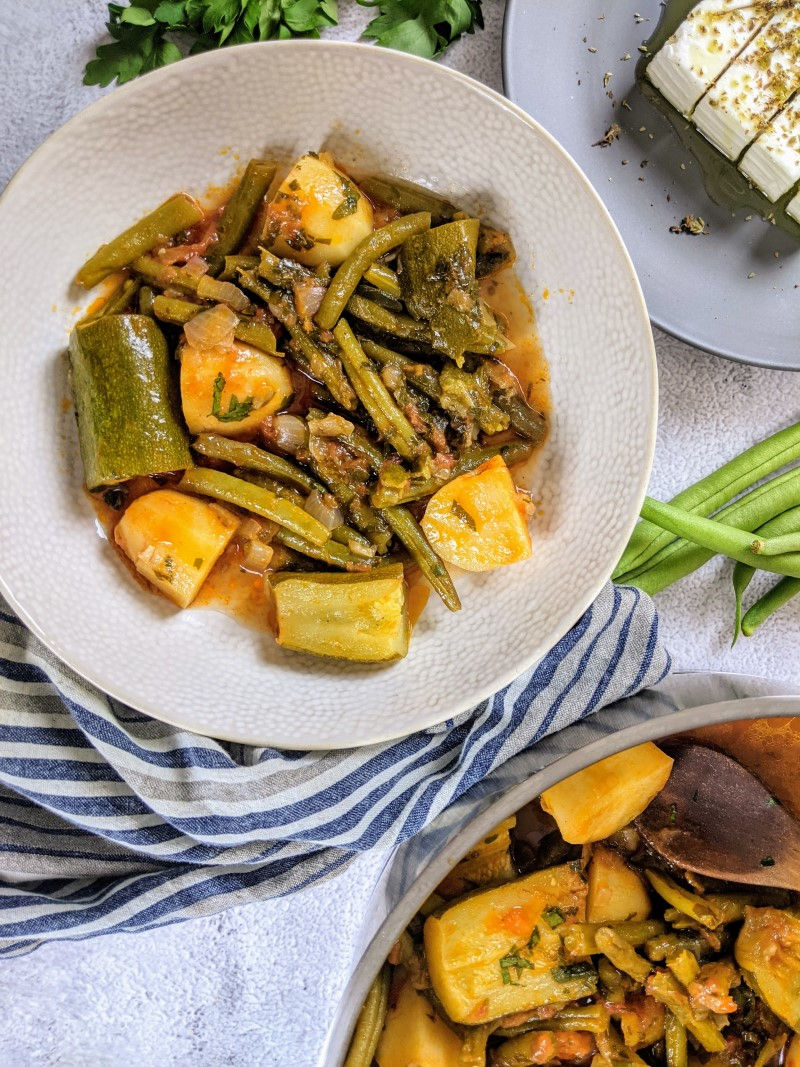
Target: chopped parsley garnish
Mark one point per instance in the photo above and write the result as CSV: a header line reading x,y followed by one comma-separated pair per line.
x,y
198,563
488,840
673,814
535,938
349,204
116,496
237,409
572,971
768,861
553,917
462,515
513,962
773,802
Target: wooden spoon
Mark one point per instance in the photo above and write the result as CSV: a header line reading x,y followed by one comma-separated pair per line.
x,y
716,818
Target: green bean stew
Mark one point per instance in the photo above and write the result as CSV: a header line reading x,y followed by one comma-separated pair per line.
x,y
560,939
302,405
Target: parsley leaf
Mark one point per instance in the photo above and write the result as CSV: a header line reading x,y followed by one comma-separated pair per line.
x,y
237,409
422,27
142,31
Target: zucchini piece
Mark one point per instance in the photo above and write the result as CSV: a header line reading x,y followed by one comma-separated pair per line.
x,y
229,389
487,862
174,540
415,1034
768,951
359,617
439,287
499,951
128,423
596,802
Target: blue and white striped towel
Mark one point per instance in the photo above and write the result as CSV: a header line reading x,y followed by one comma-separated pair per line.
x,y
111,821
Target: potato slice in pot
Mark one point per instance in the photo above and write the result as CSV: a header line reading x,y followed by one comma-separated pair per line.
x,y
415,1034
616,892
478,521
174,540
229,389
318,215
596,802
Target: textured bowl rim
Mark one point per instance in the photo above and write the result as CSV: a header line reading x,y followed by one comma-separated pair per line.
x,y
506,804
521,662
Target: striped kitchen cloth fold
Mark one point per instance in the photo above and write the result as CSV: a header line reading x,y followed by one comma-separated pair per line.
x,y
111,821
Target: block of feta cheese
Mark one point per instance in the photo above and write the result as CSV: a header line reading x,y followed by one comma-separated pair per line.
x,y
691,60
772,162
754,87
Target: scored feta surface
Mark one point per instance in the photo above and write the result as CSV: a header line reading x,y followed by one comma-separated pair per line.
x,y
754,87
772,163
793,208
713,34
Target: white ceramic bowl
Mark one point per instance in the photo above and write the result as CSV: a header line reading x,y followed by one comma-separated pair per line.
x,y
185,127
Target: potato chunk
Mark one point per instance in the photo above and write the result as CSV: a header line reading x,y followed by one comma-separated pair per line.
x,y
415,1036
616,892
499,951
359,617
231,388
479,520
768,951
174,540
318,215
598,801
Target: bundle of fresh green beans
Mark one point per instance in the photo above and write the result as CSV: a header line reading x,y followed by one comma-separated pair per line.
x,y
734,512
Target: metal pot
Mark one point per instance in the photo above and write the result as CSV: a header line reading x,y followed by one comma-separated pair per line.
x,y
683,702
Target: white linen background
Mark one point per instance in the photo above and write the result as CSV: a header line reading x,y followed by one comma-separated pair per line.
x,y
258,985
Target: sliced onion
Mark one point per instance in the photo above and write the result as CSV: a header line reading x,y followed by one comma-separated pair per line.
x,y
209,288
359,549
196,266
211,328
257,555
329,516
393,377
331,425
289,432
308,294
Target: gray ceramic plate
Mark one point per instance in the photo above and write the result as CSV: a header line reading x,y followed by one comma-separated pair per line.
x,y
697,288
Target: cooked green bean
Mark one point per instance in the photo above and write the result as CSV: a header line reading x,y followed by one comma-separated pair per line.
x,y
665,988
253,498
675,1041
384,279
243,454
241,210
409,531
370,1022
421,375
751,511
511,451
527,421
692,904
250,282
622,954
333,553
323,366
282,273
233,264
718,537
389,420
714,490
363,516
407,197
589,1018
766,605
385,321
164,275
147,300
119,299
178,213
250,331
378,243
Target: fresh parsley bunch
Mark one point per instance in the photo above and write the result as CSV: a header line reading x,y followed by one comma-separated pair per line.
x,y
146,32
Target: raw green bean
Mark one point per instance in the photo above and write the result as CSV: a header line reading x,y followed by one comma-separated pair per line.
x,y
421,375
164,275
243,454
370,1022
675,1040
511,452
176,214
378,243
409,531
332,552
407,197
254,498
741,578
752,510
775,546
389,420
380,318
769,603
717,536
384,279
241,210
323,366
233,264
787,522
716,489
250,331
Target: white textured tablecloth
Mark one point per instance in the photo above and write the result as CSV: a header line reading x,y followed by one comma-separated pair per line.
x,y
258,985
